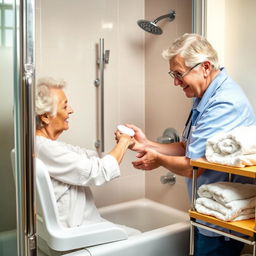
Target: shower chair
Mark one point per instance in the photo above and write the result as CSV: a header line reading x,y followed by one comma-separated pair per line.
x,y
49,228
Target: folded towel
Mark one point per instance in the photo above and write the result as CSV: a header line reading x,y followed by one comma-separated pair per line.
x,y
235,148
235,210
225,192
236,161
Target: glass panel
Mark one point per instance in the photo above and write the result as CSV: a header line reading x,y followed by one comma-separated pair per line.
x,y
0,17
7,186
8,37
8,18
8,1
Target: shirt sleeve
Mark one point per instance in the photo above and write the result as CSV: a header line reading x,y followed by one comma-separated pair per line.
x,y
74,166
216,118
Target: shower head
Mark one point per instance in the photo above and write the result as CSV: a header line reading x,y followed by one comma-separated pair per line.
x,y
151,27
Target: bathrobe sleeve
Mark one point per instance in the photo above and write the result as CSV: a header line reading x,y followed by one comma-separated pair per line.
x,y
75,166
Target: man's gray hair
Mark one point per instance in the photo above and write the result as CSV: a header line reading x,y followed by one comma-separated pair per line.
x,y
194,49
45,102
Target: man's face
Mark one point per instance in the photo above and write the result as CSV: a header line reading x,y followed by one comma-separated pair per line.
x,y
193,82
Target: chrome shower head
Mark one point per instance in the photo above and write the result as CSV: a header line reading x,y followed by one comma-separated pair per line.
x,y
151,27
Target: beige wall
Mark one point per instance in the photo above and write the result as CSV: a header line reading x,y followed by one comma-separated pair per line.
x,y
232,34
166,105
240,43
67,34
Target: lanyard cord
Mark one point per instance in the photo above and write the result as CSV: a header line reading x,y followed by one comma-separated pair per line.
x,y
185,131
189,117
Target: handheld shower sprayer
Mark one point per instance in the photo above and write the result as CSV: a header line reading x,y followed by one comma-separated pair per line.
x,y
151,27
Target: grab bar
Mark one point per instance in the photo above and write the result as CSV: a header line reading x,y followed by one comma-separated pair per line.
x,y
99,82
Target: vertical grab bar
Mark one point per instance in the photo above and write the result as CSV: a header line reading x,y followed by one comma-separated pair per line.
x,y
103,58
25,127
101,67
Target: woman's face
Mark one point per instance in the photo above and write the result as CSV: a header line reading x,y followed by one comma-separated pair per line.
x,y
59,122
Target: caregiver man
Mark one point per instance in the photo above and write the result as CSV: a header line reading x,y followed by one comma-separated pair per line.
x,y
219,104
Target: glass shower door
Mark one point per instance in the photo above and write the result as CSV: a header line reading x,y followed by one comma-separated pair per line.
x,y
24,119
17,222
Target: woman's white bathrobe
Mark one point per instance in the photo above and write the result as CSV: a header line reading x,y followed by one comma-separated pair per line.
x,y
73,170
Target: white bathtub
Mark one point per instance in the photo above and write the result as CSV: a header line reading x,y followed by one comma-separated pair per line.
x,y
165,230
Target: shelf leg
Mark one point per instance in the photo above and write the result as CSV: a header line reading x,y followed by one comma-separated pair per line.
x,y
192,240
194,187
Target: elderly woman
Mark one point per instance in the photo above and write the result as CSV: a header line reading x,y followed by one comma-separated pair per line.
x,y
71,168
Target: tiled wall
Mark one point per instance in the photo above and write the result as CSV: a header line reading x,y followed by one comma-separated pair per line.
x,y
67,34
166,104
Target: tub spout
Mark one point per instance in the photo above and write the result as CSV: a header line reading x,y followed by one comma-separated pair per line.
x,y
169,178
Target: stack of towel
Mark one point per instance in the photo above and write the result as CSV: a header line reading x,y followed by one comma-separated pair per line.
x,y
227,201
235,148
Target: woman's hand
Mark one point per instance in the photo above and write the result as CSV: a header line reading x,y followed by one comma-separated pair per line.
x,y
122,136
123,142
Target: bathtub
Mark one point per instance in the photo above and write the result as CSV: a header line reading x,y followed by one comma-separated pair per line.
x,y
165,231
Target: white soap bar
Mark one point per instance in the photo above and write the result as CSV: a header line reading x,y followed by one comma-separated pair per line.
x,y
123,129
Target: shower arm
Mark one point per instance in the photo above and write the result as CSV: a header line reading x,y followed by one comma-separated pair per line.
x,y
170,15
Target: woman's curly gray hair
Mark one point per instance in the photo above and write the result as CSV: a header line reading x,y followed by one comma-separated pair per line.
x,y
194,49
45,102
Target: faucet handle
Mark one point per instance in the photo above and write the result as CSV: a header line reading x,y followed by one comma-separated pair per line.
x,y
169,178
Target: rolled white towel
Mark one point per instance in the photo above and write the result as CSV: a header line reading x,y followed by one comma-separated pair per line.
x,y
235,148
239,141
225,192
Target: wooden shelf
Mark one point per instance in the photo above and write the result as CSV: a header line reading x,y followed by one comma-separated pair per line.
x,y
249,171
245,227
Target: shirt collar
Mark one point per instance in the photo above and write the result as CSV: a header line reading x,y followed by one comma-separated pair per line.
x,y
199,103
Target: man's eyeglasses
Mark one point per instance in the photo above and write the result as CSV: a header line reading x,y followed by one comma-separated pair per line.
x,y
179,75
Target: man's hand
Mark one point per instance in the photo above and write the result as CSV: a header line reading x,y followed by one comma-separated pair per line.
x,y
148,160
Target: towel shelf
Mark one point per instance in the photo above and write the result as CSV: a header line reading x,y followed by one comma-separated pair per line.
x,y
246,227
244,171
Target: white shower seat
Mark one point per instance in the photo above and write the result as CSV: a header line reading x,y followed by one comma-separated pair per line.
x,y
49,228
